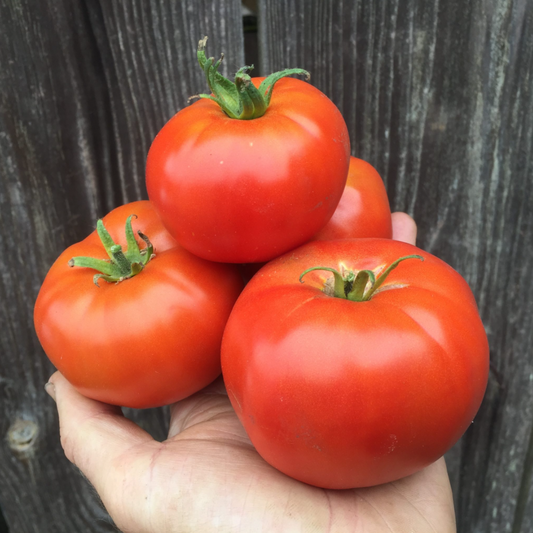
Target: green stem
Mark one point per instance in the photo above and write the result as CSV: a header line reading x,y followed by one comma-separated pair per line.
x,y
383,276
353,287
338,287
105,238
121,265
357,292
240,99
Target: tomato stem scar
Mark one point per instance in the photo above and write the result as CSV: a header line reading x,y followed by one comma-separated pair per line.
x,y
360,286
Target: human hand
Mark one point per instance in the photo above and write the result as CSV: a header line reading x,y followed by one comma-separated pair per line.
x,y
207,476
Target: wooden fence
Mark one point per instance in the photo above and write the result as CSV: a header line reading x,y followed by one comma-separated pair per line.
x,y
437,95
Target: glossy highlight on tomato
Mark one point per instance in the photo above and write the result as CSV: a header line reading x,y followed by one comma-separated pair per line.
x,y
343,394
143,342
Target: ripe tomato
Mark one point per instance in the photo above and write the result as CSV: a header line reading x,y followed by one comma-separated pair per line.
x,y
244,191
343,394
143,342
363,210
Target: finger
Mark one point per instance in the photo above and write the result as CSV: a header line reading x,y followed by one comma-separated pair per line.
x,y
96,437
403,228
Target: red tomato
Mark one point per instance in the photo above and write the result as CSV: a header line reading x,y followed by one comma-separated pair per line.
x,y
245,191
143,342
344,394
363,210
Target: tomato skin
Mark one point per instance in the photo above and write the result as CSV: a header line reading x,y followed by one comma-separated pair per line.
x,y
245,191
363,210
144,342
342,394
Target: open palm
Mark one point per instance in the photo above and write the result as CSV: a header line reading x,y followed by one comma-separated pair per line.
x,y
207,476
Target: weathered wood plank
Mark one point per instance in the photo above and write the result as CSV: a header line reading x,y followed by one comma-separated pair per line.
x,y
438,96
84,87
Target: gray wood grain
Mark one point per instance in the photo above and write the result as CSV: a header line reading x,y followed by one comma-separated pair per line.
x,y
84,87
438,96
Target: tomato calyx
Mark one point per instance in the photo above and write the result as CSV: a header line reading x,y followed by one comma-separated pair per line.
x,y
356,286
120,265
240,99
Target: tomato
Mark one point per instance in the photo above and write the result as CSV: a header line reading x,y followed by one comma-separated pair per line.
x,y
142,342
343,394
363,210
245,191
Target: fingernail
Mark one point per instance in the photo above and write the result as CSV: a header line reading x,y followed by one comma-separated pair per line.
x,y
50,388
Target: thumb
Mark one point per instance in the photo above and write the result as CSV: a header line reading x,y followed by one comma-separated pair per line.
x,y
97,438
403,228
